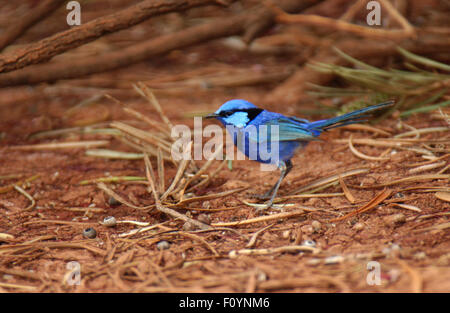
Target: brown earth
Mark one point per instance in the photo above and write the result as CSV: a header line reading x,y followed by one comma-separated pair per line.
x,y
413,254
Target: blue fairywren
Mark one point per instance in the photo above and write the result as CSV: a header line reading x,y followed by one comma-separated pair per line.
x,y
282,135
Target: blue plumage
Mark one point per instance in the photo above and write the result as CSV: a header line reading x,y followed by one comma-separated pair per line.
x,y
270,137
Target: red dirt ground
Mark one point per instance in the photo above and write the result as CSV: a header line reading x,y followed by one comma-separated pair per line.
x,y
413,254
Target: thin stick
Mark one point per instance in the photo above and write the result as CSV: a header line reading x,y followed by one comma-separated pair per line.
x,y
210,176
200,239
16,286
203,169
347,192
119,198
331,179
297,249
370,205
416,178
142,89
407,206
363,156
63,145
422,131
22,191
260,219
180,171
367,128
160,162
427,167
166,210
252,241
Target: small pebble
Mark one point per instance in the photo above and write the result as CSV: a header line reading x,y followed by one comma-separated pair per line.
x,y
188,226
113,202
334,260
261,276
393,249
309,243
90,233
232,254
307,229
316,226
206,205
8,277
286,234
163,245
395,219
314,262
358,226
109,221
420,256
204,218
393,275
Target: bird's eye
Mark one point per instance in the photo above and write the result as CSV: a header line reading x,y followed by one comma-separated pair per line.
x,y
226,113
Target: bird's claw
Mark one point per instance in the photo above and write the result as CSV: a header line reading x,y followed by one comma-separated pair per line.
x,y
266,206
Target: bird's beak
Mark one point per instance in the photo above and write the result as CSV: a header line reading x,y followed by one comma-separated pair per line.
x,y
212,115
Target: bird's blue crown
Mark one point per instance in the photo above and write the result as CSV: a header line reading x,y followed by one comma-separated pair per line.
x,y
236,105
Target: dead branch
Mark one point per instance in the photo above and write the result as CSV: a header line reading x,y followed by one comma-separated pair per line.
x,y
130,55
47,48
264,18
407,31
16,29
293,89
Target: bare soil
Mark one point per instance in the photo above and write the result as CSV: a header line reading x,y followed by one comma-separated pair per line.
x,y
413,253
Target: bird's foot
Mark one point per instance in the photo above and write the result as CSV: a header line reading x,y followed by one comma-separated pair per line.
x,y
264,207
266,196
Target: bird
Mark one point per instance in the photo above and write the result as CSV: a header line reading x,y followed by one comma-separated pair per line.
x,y
283,135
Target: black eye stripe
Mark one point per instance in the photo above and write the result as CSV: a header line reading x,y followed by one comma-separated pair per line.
x,y
251,113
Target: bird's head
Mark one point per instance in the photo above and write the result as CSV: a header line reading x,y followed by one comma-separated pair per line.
x,y
236,112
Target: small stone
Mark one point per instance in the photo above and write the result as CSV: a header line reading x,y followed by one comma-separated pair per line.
x,y
420,256
8,277
309,243
336,259
90,233
395,219
261,276
232,254
444,260
109,221
307,229
163,245
393,275
206,205
113,202
313,262
204,218
286,234
188,226
316,226
358,226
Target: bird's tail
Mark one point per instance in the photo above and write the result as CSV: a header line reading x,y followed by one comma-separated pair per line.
x,y
348,118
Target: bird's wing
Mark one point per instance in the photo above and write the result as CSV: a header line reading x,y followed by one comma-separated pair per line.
x,y
288,130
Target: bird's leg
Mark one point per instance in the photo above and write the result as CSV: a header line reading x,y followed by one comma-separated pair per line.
x,y
266,195
285,168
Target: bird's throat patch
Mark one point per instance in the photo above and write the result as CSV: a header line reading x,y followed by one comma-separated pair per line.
x,y
238,119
